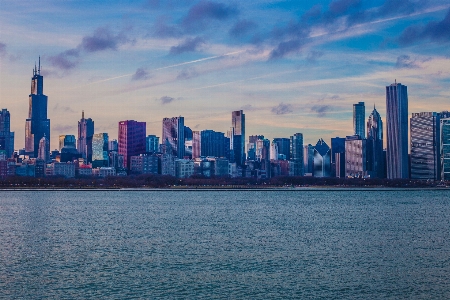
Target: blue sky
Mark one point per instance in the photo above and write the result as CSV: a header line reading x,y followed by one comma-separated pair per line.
x,y
292,66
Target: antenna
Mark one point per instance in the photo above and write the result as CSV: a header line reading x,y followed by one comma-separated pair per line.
x,y
82,114
39,70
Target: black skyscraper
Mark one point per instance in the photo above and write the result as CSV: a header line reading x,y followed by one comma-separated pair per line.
x,y
37,125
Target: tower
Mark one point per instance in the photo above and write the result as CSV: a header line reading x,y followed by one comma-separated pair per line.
x,y
6,136
131,139
296,154
359,116
375,156
85,134
397,131
238,123
173,136
36,125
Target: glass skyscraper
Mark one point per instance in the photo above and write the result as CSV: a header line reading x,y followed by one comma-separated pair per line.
x,y
397,131
67,140
238,123
284,146
85,134
322,159
37,125
375,154
100,143
173,136
6,136
359,119
131,139
296,154
445,149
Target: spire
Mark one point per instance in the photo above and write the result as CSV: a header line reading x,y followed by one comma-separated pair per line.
x,y
82,114
39,70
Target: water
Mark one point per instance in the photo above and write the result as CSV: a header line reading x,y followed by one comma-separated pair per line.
x,y
225,244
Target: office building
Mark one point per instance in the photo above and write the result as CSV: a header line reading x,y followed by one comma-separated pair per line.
x,y
152,143
67,141
85,135
322,159
144,164
359,119
338,157
113,145
6,136
355,157
100,144
37,124
210,143
375,154
425,146
44,149
173,136
284,147
296,154
131,140
238,125
397,131
445,148
308,160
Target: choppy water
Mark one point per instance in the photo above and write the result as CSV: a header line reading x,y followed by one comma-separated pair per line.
x,y
225,245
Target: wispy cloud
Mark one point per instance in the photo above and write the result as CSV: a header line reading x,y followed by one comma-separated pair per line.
x,y
282,109
188,45
140,74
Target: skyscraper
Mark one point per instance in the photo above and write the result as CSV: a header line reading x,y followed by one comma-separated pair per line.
x,y
238,123
173,136
338,157
6,136
355,156
322,159
37,125
85,134
375,154
152,143
359,118
284,146
445,148
67,140
296,154
397,131
44,149
425,146
100,143
131,139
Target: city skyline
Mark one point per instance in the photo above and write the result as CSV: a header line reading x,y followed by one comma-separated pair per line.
x,y
146,60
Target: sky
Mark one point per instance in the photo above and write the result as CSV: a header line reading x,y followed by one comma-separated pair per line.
x,y
291,66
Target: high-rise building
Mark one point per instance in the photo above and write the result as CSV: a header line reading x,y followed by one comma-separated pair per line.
x,y
152,143
355,157
85,134
44,149
284,146
397,131
67,141
113,145
296,154
375,154
173,136
308,159
212,143
425,146
338,157
274,151
100,143
445,148
238,123
37,125
322,159
6,136
131,139
359,118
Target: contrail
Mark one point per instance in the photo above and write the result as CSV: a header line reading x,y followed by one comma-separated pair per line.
x,y
172,66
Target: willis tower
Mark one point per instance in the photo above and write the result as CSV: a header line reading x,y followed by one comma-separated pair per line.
x,y
37,125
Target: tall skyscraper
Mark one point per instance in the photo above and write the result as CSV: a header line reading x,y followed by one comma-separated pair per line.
x,y
322,159
296,154
238,123
131,139
6,136
425,146
67,140
308,159
359,119
445,148
173,136
100,143
397,131
44,150
375,154
37,125
338,157
213,143
284,146
355,157
85,134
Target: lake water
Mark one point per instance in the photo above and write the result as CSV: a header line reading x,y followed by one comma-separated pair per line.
x,y
225,244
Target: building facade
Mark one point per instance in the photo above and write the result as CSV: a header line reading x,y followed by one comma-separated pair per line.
x,y
322,159
397,131
284,147
173,136
296,154
85,135
131,140
100,145
67,140
445,148
355,157
338,157
238,125
6,136
375,154
359,119
152,143
37,125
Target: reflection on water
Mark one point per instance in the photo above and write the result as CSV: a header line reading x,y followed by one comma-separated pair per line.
x,y
224,244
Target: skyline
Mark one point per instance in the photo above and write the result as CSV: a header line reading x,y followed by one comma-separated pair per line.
x,y
299,71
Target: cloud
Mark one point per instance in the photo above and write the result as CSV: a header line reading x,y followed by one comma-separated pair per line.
x,y
65,60
287,47
321,110
282,109
103,39
242,28
66,109
2,49
187,74
340,7
166,100
188,45
140,74
314,55
208,10
162,30
405,62
433,31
